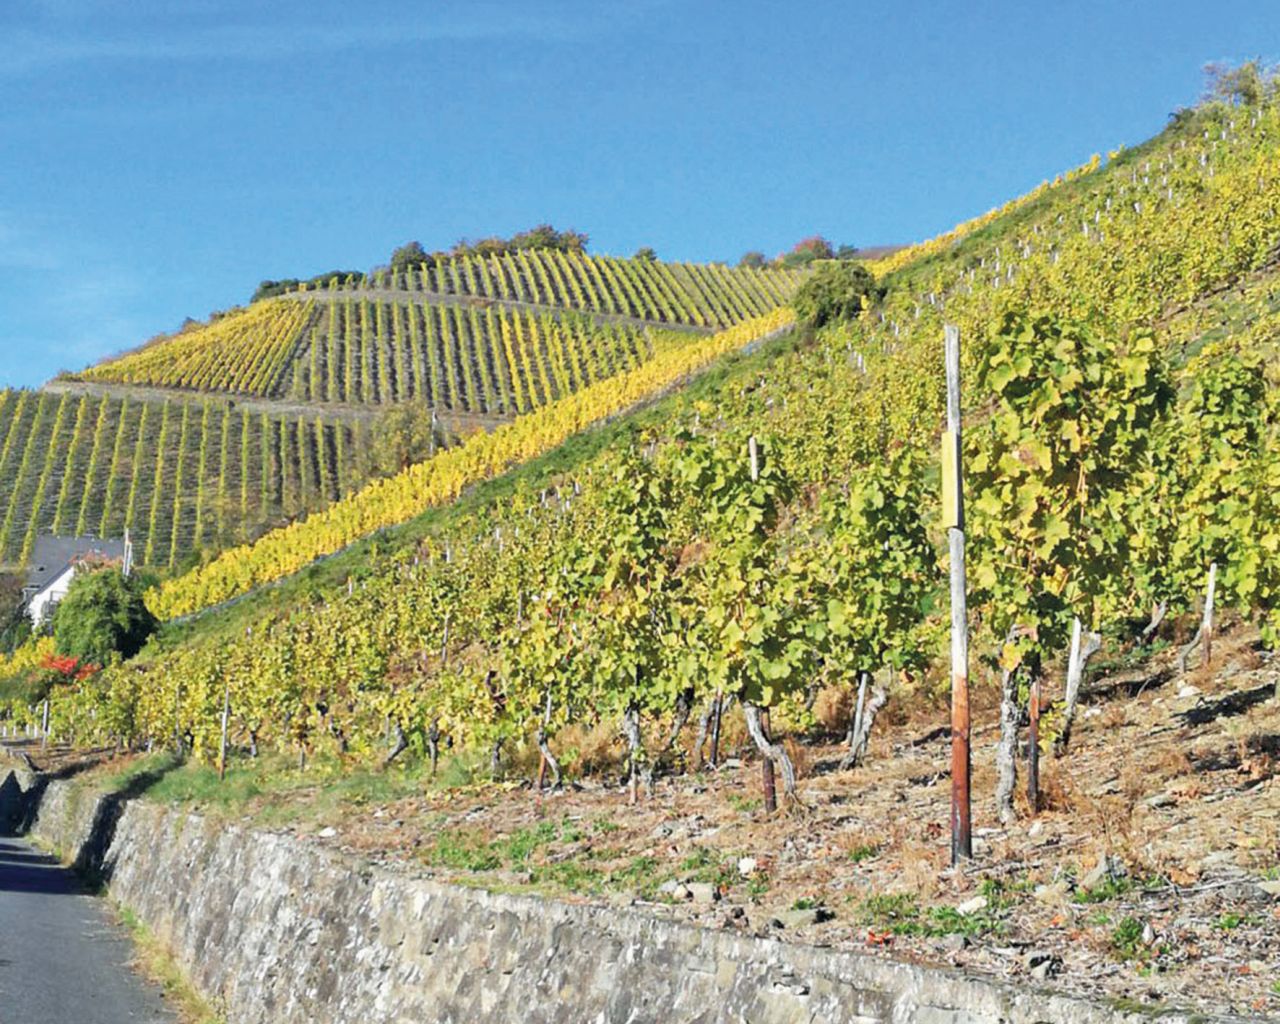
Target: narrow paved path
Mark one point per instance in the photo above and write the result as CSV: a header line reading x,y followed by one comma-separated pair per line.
x,y
62,959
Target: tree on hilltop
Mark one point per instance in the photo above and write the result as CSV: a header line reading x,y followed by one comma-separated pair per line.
x,y
1247,84
805,251
411,254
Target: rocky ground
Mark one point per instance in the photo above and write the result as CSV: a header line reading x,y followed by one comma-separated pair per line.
x,y
1152,877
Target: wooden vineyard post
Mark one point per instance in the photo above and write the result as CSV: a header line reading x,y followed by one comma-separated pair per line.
x,y
1204,635
766,772
953,517
44,725
226,717
766,764
1206,623
1033,748
719,711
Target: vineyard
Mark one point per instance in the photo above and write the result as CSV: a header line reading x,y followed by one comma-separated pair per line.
x,y
484,341
390,501
496,336
1118,335
180,475
698,295
354,351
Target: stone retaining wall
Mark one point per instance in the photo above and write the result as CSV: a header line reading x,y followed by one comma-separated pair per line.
x,y
277,929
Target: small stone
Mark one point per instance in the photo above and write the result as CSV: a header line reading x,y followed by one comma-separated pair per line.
x,y
1188,691
1107,867
1244,892
1270,888
1041,964
1148,934
747,866
1052,893
1036,828
1218,859
731,763
1161,800
953,943
702,892
972,906
801,918
673,888
327,833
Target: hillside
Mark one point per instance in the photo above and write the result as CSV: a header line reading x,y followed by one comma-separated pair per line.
x,y
182,475
210,437
1047,259
771,537
472,334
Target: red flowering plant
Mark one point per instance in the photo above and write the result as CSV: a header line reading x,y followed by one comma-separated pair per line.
x,y
67,668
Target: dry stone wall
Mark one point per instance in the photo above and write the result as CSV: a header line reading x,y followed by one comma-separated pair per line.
x,y
281,930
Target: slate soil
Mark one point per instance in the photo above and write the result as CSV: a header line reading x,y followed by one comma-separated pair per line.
x,y
1153,876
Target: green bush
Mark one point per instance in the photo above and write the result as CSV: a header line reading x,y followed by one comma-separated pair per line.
x,y
834,292
101,615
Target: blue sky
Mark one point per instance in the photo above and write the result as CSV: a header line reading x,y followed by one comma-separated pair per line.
x,y
159,157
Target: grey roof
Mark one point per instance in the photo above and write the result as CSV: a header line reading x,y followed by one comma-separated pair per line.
x,y
52,556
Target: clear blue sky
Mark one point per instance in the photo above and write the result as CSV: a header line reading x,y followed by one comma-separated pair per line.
x,y
159,157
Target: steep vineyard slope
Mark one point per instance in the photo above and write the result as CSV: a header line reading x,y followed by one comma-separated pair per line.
x,y
181,475
354,351
700,295
666,574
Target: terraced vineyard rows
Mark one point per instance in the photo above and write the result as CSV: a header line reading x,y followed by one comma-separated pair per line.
x,y
467,360
356,351
360,347
248,352
180,475
694,294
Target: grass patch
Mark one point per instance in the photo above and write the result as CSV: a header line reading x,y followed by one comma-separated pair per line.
x,y
744,804
901,914
1108,889
269,790
1126,940
864,851
157,965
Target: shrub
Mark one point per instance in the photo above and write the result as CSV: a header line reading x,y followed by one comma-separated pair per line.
x,y
102,615
836,291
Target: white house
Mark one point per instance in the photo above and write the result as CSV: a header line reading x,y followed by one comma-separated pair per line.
x,y
54,561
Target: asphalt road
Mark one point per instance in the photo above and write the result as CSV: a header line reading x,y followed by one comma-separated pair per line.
x,y
62,958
